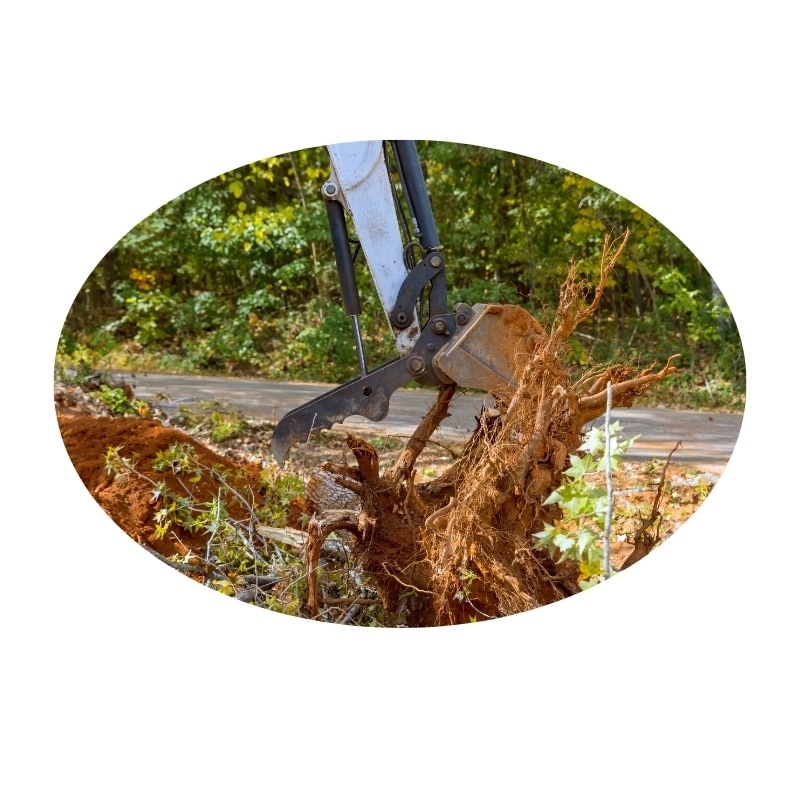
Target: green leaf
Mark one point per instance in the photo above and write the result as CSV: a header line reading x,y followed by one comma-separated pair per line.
x,y
586,538
594,441
554,497
580,466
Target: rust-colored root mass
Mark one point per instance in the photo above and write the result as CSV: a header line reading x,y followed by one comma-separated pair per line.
x,y
460,548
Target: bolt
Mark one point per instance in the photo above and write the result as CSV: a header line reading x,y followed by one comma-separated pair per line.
x,y
436,261
430,347
416,365
461,319
439,326
401,318
329,189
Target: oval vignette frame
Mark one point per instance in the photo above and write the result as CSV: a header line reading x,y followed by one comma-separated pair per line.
x,y
220,579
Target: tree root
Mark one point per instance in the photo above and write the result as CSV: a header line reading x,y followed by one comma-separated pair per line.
x,y
461,547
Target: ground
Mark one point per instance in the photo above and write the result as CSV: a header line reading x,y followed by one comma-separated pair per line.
x,y
91,432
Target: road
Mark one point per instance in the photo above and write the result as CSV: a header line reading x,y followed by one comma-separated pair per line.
x,y
707,438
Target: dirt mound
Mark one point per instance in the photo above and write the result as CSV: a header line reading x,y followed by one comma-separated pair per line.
x,y
129,499
412,528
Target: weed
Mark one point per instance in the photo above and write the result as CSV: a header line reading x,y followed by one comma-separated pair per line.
x,y
584,506
240,545
382,443
218,421
280,489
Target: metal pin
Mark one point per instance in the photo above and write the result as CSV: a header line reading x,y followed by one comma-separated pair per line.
x,y
362,362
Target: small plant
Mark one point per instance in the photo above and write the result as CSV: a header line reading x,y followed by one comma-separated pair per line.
x,y
228,519
218,421
386,443
75,373
281,489
239,556
584,505
466,576
117,401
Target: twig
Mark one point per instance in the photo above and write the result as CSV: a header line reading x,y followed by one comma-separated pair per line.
x,y
448,450
205,569
343,601
407,585
609,488
643,543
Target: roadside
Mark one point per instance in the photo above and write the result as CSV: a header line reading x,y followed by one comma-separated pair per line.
x,y
242,441
707,438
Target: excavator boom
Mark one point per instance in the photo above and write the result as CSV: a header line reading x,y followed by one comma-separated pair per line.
x,y
474,347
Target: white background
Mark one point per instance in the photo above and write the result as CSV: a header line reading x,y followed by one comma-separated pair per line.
x,y
121,678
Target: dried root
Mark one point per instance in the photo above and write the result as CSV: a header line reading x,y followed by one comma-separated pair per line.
x,y
460,548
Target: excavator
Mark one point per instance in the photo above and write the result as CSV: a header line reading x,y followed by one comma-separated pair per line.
x,y
380,186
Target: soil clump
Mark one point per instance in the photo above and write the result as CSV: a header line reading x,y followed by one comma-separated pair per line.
x,y
129,499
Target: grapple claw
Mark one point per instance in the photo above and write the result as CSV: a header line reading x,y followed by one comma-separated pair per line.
x,y
367,396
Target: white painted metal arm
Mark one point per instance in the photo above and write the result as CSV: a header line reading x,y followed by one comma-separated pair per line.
x,y
360,182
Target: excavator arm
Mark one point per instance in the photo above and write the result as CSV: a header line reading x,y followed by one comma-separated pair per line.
x,y
474,347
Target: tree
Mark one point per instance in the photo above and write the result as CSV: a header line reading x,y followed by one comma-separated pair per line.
x,y
238,274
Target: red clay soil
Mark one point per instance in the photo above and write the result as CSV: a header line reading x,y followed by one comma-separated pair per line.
x,y
128,499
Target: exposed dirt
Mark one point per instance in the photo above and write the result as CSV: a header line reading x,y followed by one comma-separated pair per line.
x,y
89,430
129,500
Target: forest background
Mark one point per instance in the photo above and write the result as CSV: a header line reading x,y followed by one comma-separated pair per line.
x,y
237,276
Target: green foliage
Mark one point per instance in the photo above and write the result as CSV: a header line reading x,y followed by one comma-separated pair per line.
x,y
118,402
486,291
76,373
218,421
281,489
237,275
234,548
238,552
584,505
117,399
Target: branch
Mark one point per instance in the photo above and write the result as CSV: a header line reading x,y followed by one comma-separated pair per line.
x,y
366,457
571,318
643,542
402,583
318,530
609,489
205,569
430,422
590,405
288,536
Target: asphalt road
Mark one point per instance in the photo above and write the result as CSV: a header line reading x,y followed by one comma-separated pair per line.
x,y
707,438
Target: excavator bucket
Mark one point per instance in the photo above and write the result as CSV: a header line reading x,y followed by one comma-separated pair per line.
x,y
487,352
